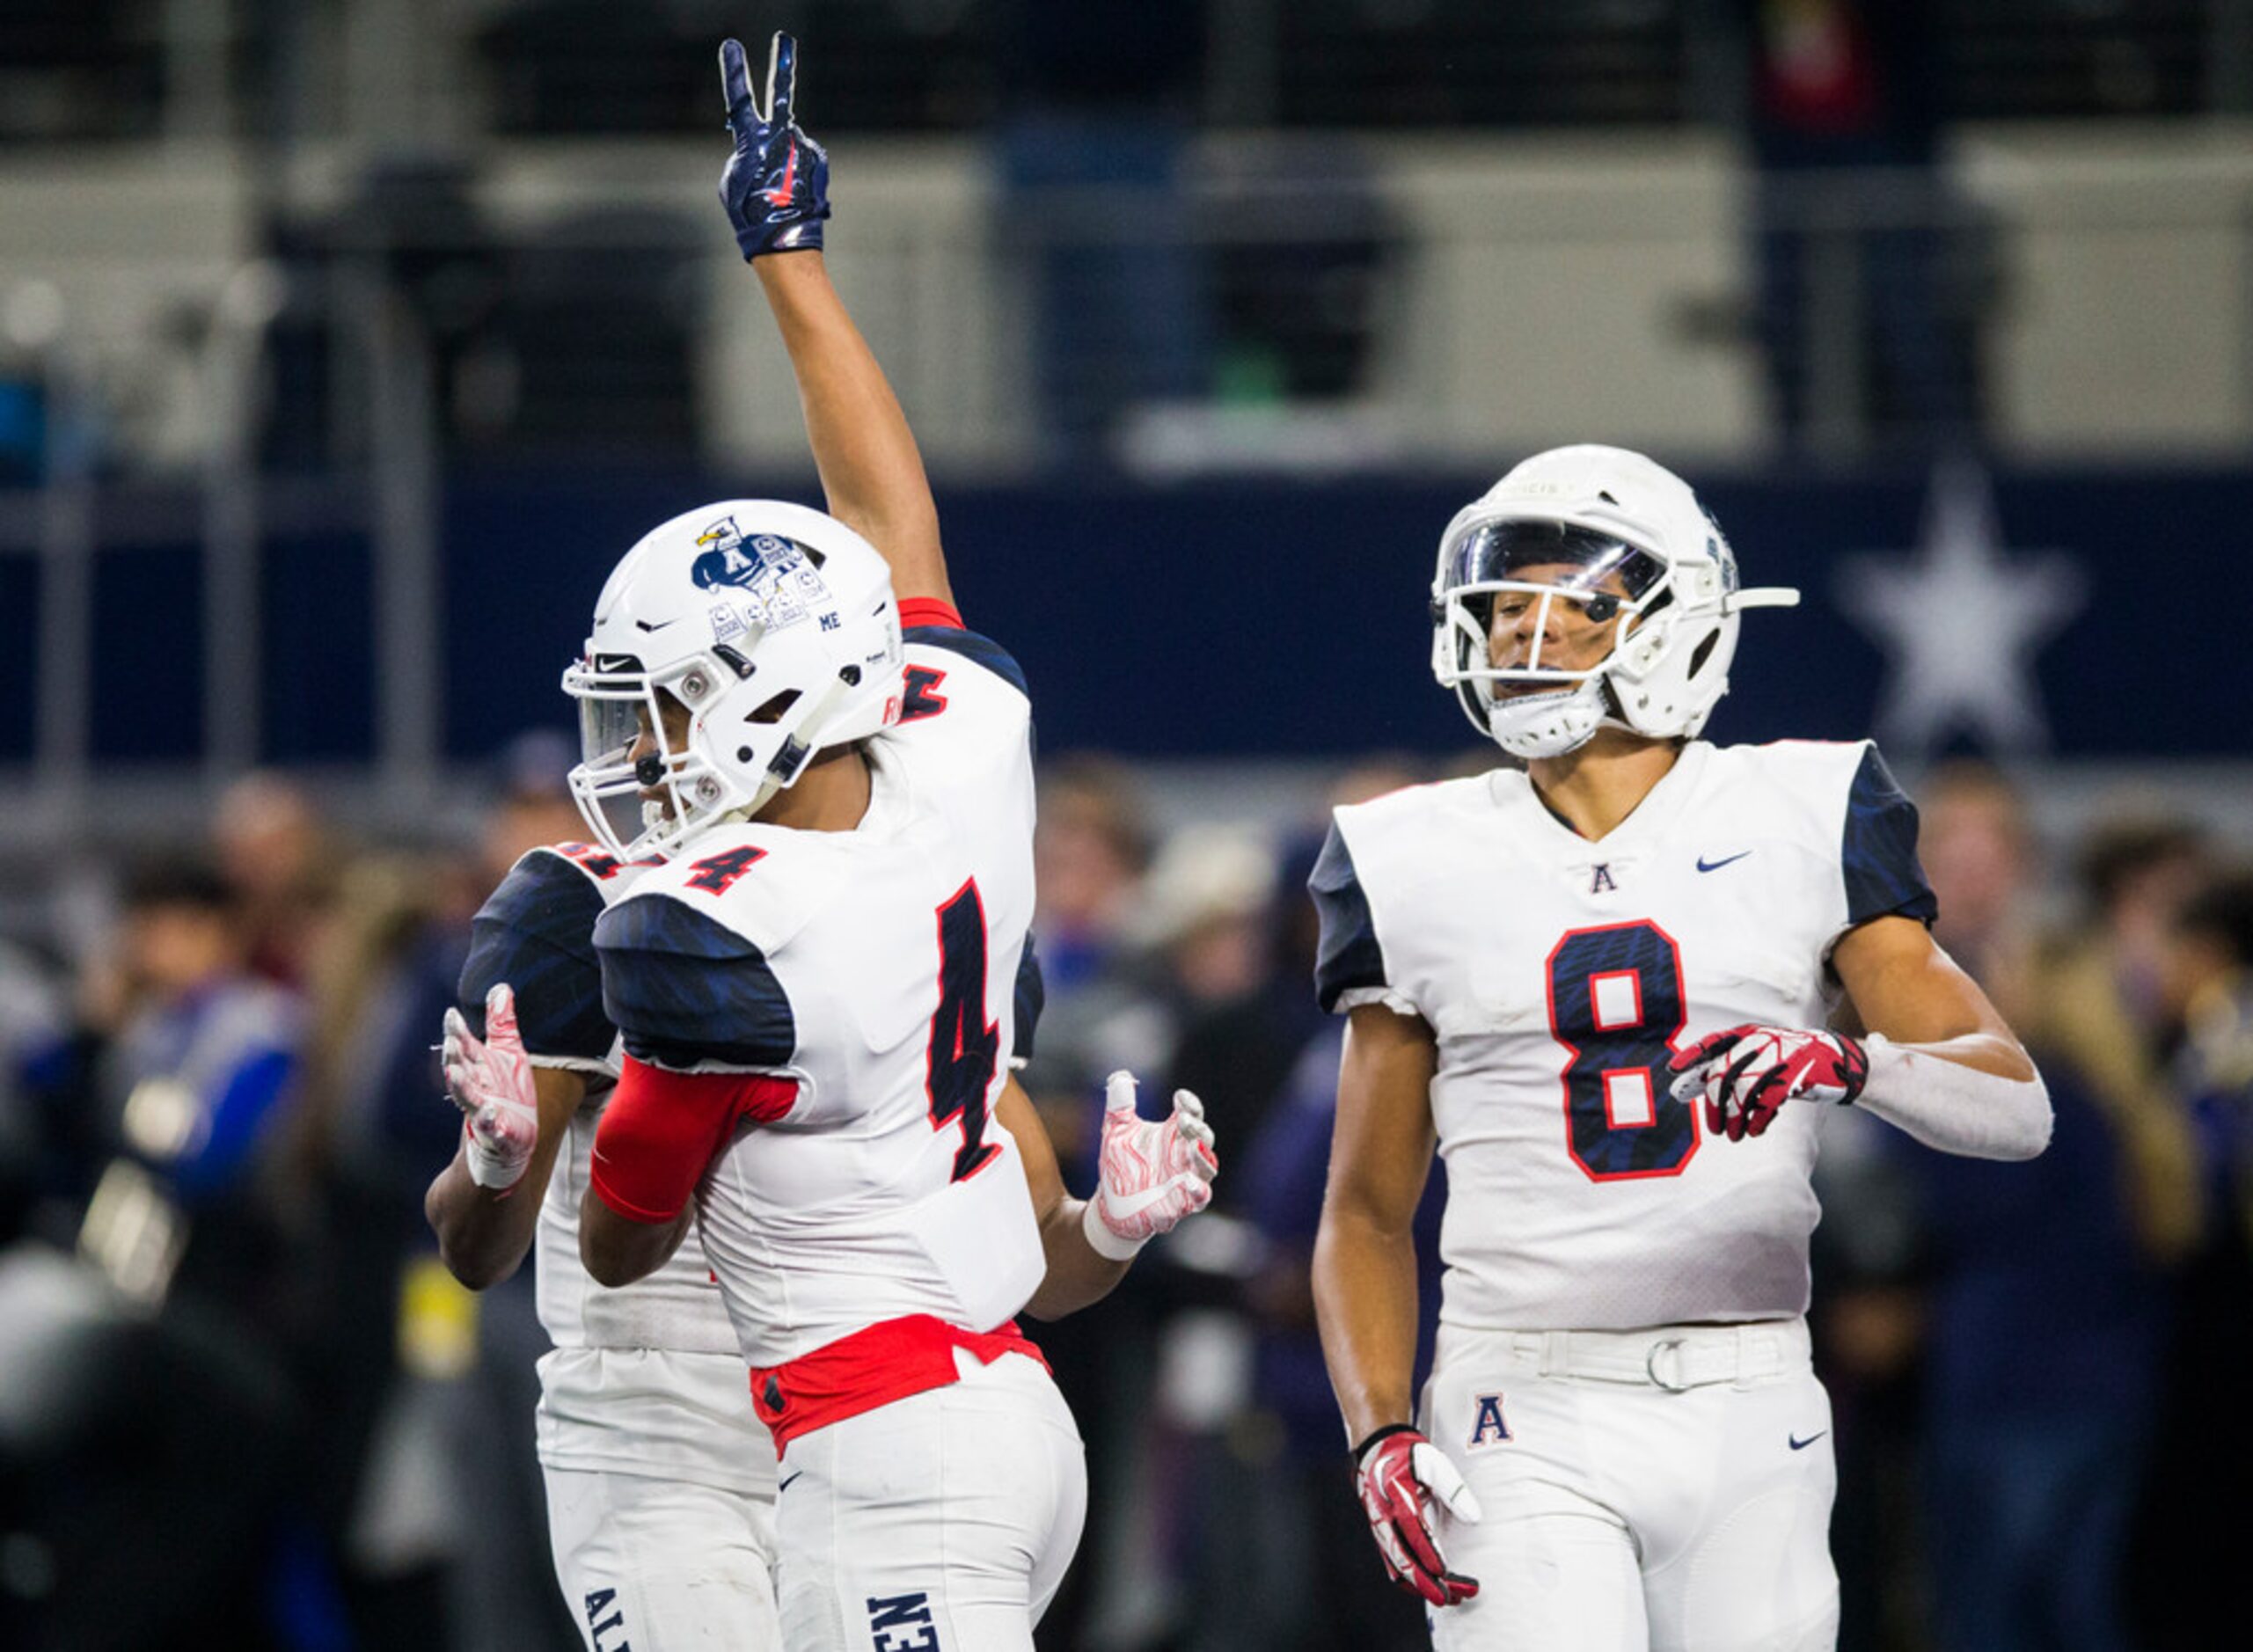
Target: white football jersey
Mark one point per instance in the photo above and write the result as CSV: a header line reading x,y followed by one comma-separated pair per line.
x,y
1559,974
536,933
876,970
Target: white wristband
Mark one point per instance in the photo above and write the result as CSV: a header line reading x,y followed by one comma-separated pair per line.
x,y
1954,1108
1100,1239
490,1168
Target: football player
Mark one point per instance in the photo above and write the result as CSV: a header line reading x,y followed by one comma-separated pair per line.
x,y
659,1477
1618,989
830,779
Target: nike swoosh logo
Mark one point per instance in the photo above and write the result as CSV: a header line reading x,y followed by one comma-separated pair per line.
x,y
662,623
785,1485
1797,1445
1705,865
780,195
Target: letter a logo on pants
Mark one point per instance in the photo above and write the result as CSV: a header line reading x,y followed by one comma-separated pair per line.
x,y
1490,1426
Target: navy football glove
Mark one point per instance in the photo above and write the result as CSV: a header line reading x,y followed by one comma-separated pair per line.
x,y
777,185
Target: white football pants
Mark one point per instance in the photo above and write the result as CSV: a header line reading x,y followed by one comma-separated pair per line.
x,y
1622,1515
939,1522
663,1566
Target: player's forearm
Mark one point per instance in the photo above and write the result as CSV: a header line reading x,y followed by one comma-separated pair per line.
x,y
1983,1052
619,1250
482,1234
1978,1095
872,472
1078,1274
1365,1303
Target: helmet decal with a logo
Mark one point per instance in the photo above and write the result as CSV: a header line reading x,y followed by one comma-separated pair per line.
x,y
684,725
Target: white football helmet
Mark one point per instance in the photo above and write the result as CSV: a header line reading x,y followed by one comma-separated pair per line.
x,y
773,625
1598,511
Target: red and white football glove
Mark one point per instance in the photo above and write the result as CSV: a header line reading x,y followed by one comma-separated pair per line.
x,y
1400,1476
1154,1172
490,1079
1747,1074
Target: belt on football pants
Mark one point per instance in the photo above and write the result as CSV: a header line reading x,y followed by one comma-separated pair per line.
x,y
1676,1357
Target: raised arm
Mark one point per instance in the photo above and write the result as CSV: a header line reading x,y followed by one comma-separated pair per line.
x,y
775,191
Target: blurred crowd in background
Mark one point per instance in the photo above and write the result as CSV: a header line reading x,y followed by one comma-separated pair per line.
x,y
343,343
242,1404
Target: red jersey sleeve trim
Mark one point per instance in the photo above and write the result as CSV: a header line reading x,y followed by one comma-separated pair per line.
x,y
662,1129
928,611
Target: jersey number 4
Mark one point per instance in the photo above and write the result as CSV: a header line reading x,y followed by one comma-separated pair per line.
x,y
1615,1003
965,1047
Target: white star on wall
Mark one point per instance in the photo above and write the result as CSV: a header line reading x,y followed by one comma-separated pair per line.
x,y
1960,623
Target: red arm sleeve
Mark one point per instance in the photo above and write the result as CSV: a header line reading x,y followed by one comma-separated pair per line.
x,y
661,1129
928,611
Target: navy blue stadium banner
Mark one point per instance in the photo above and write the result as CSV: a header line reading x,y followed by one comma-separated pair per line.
x,y
2076,613
2070,612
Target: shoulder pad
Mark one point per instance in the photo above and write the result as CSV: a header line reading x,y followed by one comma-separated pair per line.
x,y
684,989
762,882
982,651
537,932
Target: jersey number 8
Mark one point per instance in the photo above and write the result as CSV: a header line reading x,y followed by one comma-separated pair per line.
x,y
1615,1003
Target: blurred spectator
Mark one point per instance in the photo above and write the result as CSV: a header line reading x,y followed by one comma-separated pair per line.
x,y
1305,1578
157,1377
1845,113
1089,853
277,857
1208,919
189,1059
534,809
2049,1302
33,1017
2102,1002
2205,1433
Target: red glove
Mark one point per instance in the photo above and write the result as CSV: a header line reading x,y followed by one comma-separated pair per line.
x,y
1399,1473
1748,1072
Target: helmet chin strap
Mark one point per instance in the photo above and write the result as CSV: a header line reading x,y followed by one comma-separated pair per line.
x,y
1547,725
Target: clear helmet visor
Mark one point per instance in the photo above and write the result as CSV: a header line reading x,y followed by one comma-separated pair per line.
x,y
1569,558
633,785
1571,592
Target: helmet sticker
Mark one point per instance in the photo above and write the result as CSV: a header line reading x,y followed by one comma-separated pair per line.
x,y
726,623
733,561
757,567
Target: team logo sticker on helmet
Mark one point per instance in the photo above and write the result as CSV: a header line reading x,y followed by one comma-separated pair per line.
x,y
765,567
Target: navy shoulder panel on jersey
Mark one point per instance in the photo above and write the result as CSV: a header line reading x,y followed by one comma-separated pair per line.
x,y
1879,853
1349,955
537,932
982,650
684,988
1032,996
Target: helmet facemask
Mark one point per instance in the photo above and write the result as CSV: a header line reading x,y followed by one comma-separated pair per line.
x,y
1536,706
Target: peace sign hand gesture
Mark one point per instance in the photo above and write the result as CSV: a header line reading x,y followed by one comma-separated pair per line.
x,y
775,188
